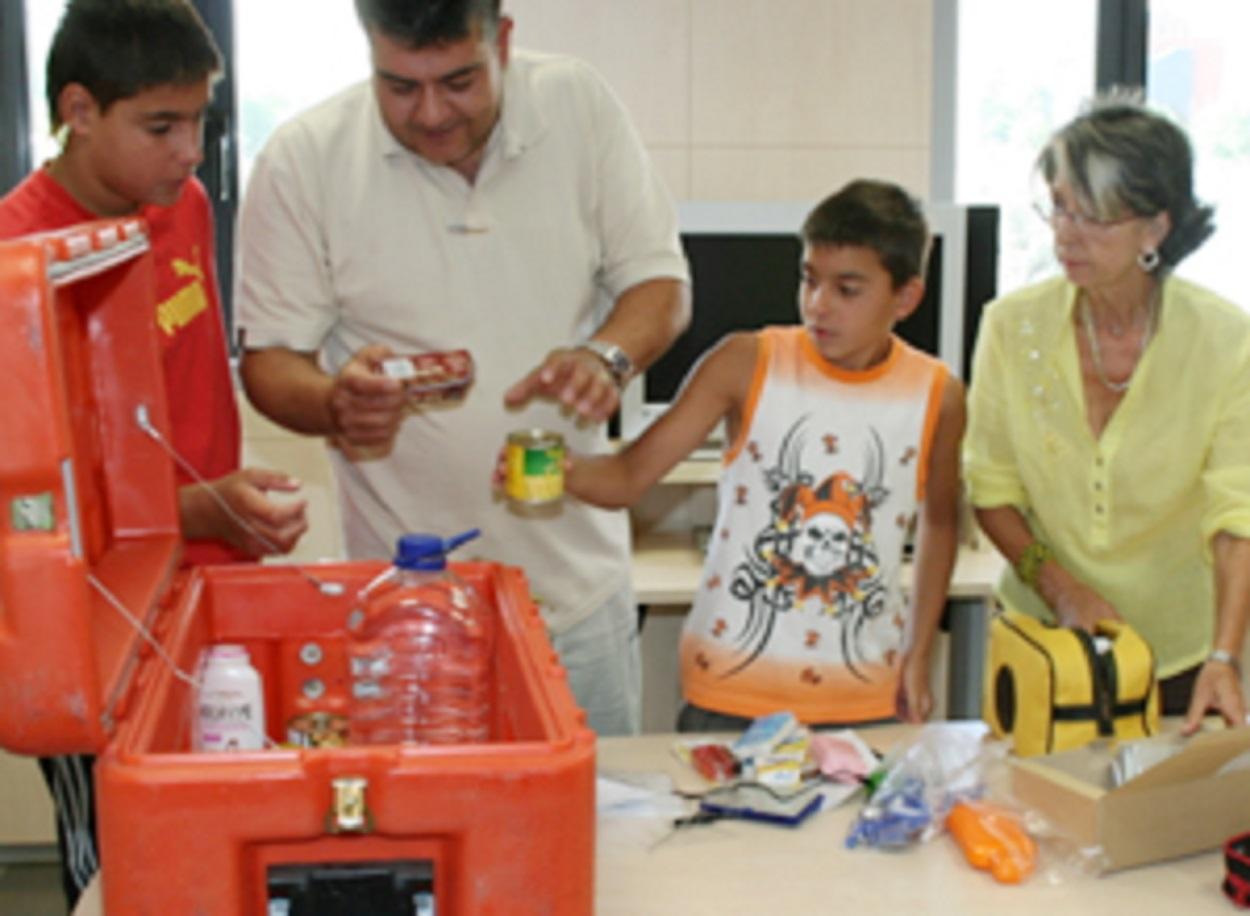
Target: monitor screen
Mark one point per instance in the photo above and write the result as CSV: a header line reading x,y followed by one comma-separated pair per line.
x,y
743,282
739,282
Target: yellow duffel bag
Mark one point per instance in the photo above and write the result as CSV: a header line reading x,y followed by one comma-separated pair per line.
x,y
1053,688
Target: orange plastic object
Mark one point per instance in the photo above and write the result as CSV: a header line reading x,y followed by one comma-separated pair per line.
x,y
505,826
89,499
994,840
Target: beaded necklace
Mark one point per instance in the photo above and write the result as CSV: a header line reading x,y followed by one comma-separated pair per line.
x,y
1095,353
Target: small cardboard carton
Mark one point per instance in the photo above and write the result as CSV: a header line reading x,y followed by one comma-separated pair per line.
x,y
1189,803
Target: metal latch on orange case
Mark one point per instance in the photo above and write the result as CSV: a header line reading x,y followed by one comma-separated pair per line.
x,y
348,811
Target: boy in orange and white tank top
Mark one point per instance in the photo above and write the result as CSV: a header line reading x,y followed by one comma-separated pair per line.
x,y
840,437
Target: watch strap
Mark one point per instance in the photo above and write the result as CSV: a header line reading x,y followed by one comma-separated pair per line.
x,y
617,361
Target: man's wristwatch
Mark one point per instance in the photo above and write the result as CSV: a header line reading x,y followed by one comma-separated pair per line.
x,y
620,366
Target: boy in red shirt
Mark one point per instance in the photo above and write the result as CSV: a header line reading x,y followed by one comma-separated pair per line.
x,y
128,84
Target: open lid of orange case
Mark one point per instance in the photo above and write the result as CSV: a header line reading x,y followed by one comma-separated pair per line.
x,y
88,504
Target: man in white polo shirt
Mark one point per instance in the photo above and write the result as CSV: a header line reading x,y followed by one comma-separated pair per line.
x,y
469,197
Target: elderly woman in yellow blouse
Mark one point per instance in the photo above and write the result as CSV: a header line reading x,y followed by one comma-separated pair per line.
x,y
1108,447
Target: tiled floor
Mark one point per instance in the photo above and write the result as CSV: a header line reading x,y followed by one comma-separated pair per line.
x,y
31,889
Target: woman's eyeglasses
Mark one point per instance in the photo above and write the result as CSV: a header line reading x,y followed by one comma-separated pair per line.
x,y
1052,212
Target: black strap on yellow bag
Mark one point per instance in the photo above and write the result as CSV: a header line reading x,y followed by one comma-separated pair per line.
x,y
1052,688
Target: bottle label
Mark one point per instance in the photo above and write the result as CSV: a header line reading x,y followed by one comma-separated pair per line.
x,y
229,721
229,710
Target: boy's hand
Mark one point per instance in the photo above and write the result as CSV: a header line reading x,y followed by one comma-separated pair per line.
x,y
366,406
255,523
573,377
914,702
499,473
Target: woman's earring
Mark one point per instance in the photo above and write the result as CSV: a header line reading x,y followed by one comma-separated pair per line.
x,y
1148,260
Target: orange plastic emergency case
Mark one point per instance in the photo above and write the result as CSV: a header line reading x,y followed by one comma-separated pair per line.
x,y
91,535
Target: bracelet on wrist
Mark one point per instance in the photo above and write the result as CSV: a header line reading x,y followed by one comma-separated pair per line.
x,y
1224,657
1029,566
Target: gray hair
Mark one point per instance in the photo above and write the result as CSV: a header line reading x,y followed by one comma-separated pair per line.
x,y
1122,160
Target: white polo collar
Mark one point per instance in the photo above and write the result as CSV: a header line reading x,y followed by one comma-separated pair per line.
x,y
519,127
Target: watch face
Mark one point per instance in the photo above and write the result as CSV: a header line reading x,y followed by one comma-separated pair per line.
x,y
616,359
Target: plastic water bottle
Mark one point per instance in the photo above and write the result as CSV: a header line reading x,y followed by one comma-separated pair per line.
x,y
421,651
230,704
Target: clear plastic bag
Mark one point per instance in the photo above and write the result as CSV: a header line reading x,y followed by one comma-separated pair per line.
x,y
922,779
950,762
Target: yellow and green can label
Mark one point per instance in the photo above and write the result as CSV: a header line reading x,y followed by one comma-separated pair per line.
x,y
535,467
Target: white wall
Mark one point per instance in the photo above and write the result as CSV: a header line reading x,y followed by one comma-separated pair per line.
x,y
759,99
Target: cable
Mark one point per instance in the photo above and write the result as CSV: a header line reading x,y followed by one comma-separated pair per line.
x,y
144,421
137,625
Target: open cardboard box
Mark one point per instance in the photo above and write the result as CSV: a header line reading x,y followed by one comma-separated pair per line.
x,y
1178,807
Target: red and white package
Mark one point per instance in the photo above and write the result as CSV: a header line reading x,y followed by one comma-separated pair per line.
x,y
440,376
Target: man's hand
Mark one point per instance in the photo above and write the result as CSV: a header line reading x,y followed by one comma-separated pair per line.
x,y
366,406
573,377
254,523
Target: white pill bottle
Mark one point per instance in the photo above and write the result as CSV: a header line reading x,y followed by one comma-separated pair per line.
x,y
229,713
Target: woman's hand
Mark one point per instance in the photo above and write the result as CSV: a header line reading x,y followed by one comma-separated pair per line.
x,y
1218,687
1073,602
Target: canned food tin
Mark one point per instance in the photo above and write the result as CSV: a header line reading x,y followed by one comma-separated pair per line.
x,y
535,459
442,376
317,729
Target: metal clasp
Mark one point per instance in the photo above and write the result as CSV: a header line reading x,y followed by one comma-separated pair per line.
x,y
348,811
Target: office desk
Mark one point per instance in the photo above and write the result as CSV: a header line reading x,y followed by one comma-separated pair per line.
x,y
666,570
739,867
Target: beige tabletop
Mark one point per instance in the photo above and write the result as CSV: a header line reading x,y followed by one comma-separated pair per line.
x,y
744,867
739,867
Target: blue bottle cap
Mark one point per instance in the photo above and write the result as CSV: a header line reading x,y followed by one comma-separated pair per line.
x,y
428,551
420,551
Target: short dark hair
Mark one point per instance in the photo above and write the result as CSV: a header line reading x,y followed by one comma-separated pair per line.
x,y
1124,160
118,48
420,23
878,215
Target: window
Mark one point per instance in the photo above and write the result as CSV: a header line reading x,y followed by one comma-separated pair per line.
x,y
42,17
1023,70
1198,72
288,59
